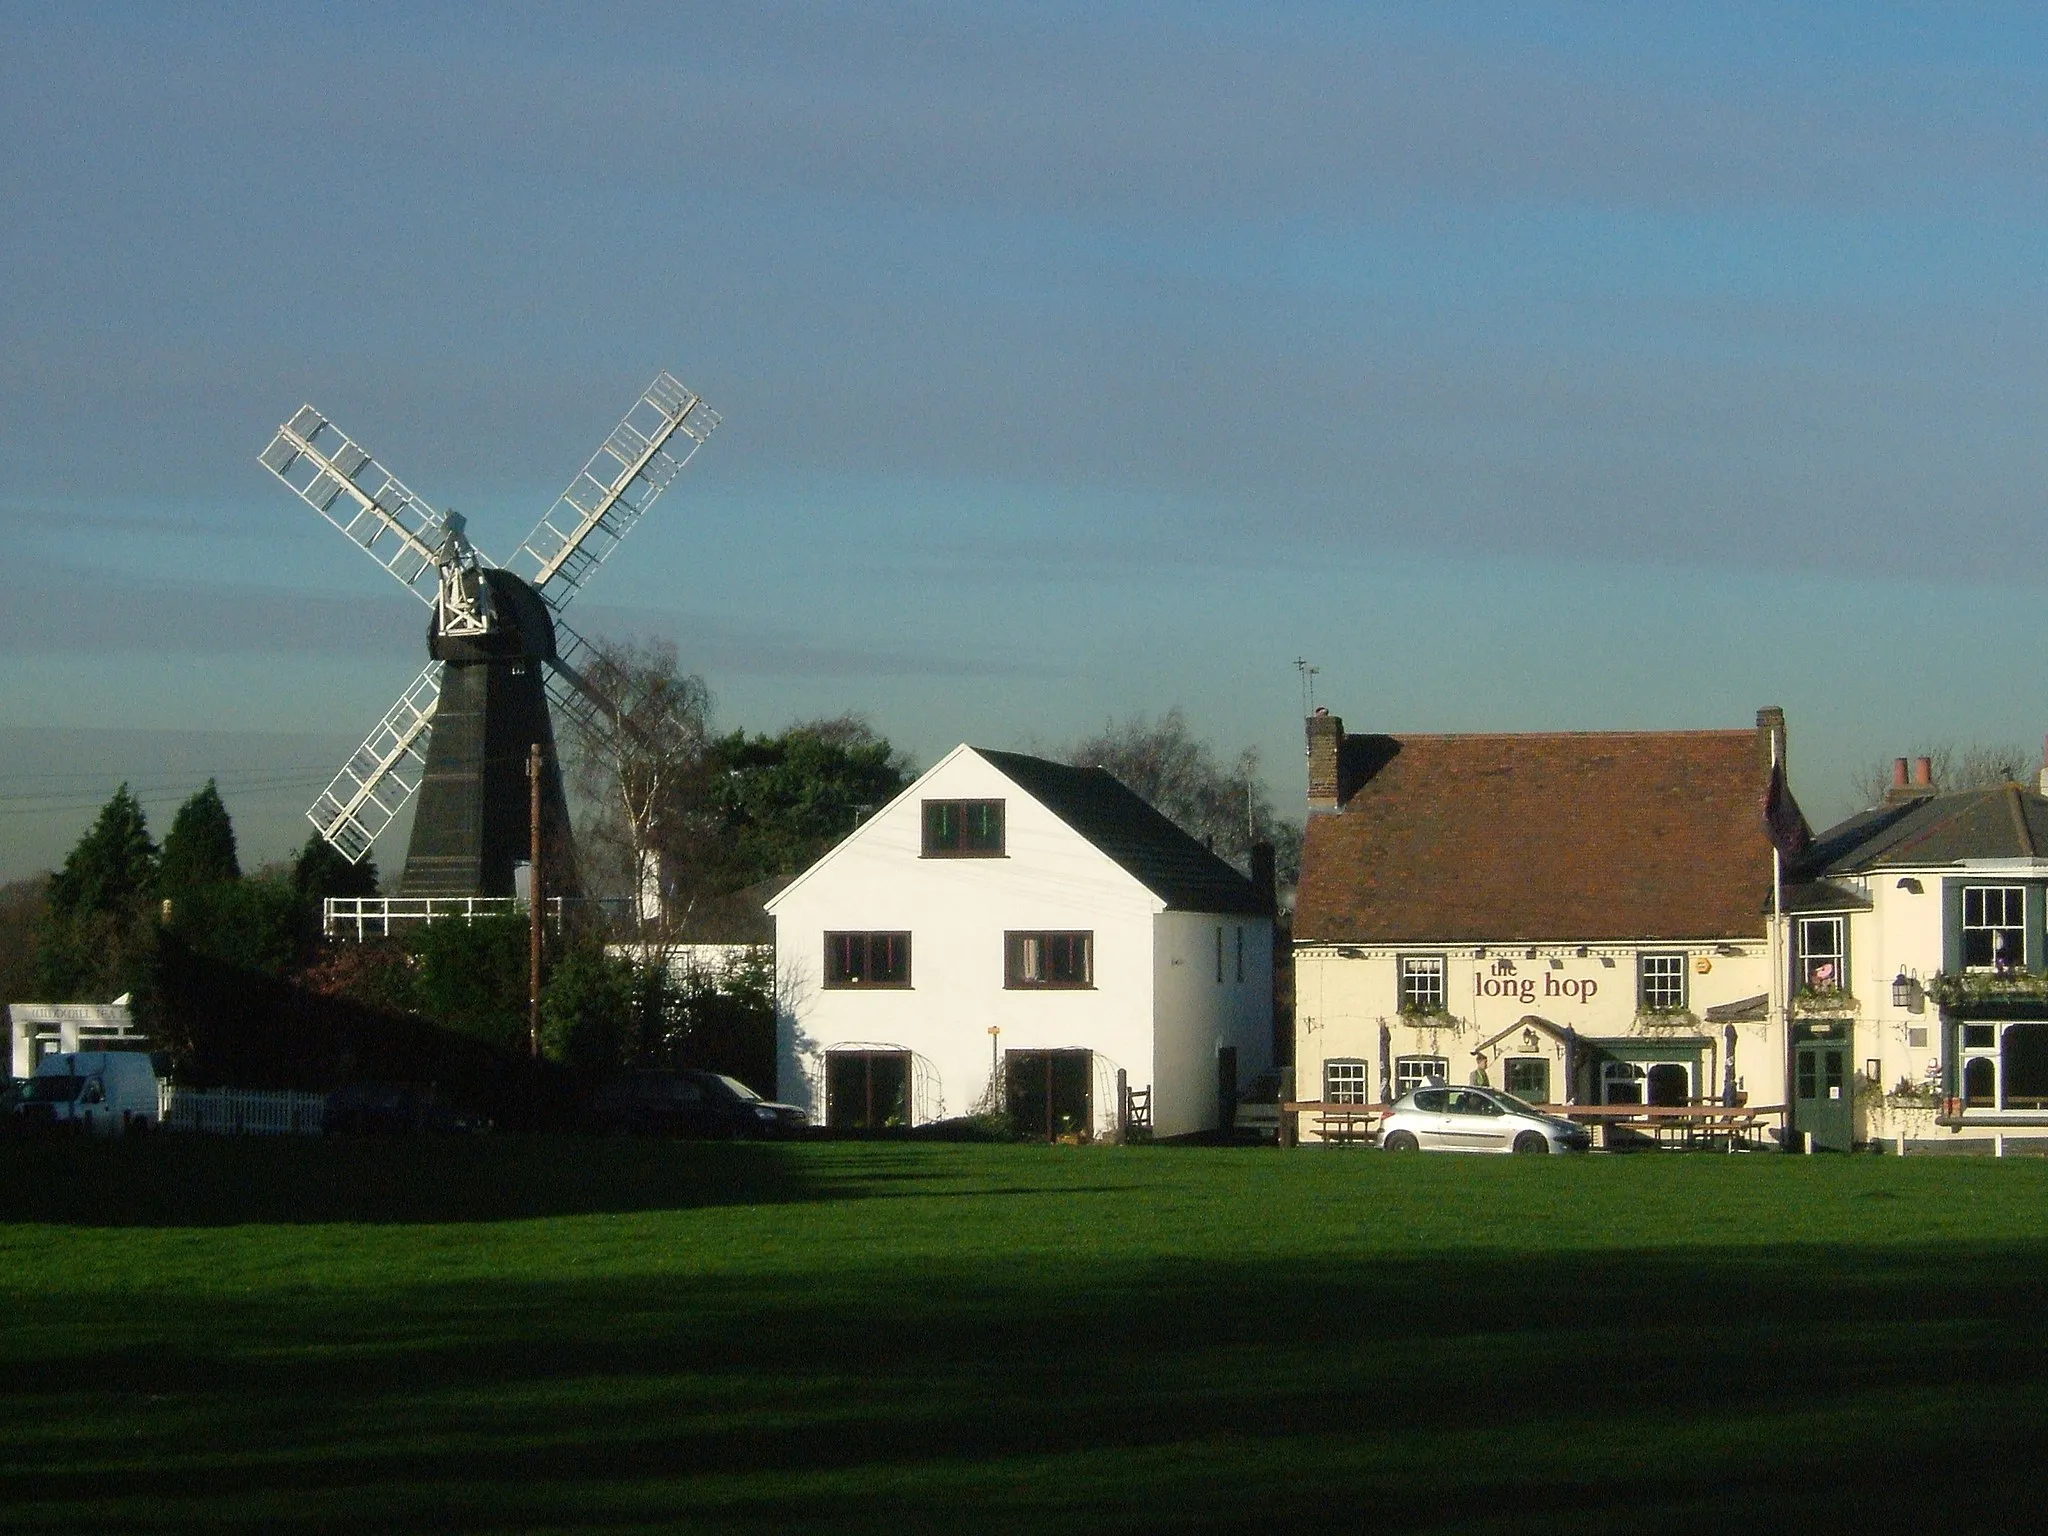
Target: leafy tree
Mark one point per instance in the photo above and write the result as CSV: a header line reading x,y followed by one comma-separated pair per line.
x,y
318,871
784,800
587,1011
256,925
1180,776
98,933
710,815
24,908
199,850
471,977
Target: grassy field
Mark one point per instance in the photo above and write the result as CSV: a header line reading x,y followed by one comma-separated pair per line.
x,y
526,1335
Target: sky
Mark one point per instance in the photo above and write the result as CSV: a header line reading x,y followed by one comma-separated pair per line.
x,y
1520,367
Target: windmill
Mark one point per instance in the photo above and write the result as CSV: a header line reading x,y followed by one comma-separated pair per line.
x,y
460,735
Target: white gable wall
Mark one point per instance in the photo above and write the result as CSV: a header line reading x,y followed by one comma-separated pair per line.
x,y
956,912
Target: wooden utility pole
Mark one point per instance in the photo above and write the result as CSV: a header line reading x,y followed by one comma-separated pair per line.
x,y
536,900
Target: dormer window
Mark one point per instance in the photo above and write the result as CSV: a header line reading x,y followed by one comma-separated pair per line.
x,y
963,829
1994,927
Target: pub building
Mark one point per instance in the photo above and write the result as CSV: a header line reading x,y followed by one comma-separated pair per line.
x,y
1575,917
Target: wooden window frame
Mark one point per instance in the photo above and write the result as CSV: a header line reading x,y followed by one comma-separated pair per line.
x,y
1407,1002
2007,895
1333,1093
1644,977
838,977
1015,944
935,842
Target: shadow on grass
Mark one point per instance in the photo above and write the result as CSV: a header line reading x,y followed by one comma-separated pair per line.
x,y
1794,1388
206,1181
197,1181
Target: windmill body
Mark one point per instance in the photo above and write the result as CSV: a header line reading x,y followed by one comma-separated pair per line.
x,y
500,653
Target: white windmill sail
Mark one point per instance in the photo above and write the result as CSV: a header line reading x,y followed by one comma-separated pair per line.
x,y
381,774
615,489
339,480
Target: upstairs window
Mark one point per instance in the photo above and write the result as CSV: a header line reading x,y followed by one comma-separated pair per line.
x,y
1823,960
867,959
1661,982
1422,984
963,829
1048,959
1994,927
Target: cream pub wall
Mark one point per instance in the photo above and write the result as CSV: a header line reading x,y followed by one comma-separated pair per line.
x,y
1345,992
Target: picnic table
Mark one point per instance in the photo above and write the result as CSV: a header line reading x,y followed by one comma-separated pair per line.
x,y
1337,1124
1684,1125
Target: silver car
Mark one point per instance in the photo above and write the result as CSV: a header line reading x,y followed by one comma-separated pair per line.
x,y
1441,1119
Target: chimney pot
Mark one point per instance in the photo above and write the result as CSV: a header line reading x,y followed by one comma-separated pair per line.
x,y
1923,771
1898,773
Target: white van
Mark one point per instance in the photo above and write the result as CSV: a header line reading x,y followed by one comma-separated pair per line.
x,y
104,1092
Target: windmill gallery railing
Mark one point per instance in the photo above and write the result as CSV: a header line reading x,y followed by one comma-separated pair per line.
x,y
367,917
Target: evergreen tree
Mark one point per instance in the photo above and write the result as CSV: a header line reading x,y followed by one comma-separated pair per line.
x,y
199,850
319,871
113,867
98,935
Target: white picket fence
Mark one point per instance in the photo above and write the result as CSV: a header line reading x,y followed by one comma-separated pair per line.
x,y
239,1111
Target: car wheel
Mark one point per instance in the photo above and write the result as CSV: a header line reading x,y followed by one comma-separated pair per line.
x,y
1532,1141
1402,1141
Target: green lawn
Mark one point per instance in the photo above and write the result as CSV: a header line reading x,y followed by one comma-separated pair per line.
x,y
516,1335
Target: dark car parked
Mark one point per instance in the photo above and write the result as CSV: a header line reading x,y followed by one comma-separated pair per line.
x,y
392,1109
689,1103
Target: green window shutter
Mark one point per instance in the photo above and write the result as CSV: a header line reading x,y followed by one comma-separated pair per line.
x,y
1952,926
2037,918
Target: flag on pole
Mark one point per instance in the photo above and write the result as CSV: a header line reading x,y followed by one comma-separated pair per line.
x,y
1784,823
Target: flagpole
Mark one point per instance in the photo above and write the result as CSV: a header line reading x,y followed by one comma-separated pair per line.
x,y
1779,970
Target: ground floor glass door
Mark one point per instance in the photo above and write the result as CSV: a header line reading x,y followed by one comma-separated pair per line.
x,y
1050,1093
1822,1096
867,1090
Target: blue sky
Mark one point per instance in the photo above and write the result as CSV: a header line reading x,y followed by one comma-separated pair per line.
x,y
1523,367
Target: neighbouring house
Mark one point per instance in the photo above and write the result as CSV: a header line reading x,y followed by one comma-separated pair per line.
x,y
1919,943
711,938
1583,917
1011,933
37,1030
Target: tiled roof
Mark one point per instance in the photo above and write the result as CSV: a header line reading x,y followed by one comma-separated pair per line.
x,y
2004,821
1585,836
1162,858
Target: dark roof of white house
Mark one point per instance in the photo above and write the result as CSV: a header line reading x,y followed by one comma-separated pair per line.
x,y
1157,854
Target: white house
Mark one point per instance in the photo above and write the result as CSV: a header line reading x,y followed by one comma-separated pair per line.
x,y
1010,932
1918,931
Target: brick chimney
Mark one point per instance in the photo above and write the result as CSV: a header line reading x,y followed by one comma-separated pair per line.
x,y
1770,729
1917,787
1325,743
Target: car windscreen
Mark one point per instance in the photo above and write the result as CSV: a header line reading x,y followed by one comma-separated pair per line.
x,y
1517,1106
740,1090
57,1088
